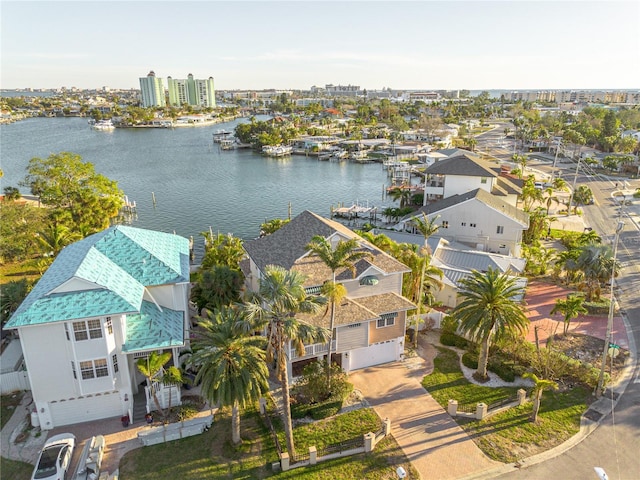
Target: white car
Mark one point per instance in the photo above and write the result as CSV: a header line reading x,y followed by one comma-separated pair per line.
x,y
55,458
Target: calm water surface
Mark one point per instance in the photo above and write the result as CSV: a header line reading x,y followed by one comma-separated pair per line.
x,y
196,185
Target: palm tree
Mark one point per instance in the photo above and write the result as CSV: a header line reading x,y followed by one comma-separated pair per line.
x,y
540,386
570,307
427,227
597,264
231,363
280,297
344,255
152,367
55,237
402,194
490,310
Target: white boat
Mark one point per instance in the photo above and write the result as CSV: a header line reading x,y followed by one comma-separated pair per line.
x,y
104,125
220,135
228,143
277,150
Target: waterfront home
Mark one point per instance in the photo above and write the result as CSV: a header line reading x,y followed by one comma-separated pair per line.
x,y
476,218
105,302
369,323
463,172
457,262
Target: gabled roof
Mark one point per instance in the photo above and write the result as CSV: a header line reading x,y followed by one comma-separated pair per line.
x,y
480,195
287,247
104,274
465,164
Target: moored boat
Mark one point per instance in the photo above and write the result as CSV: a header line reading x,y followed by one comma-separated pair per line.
x,y
104,125
277,150
220,135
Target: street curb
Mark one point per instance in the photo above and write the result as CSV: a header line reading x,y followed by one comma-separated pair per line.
x,y
587,426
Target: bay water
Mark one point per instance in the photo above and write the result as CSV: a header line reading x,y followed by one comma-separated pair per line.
x,y
196,185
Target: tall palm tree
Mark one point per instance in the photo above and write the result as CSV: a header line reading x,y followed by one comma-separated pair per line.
x,y
490,310
344,255
152,367
540,386
231,363
280,297
402,194
427,227
597,264
571,307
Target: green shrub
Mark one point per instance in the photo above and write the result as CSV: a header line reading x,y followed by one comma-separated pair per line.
x,y
503,370
453,340
449,325
597,308
470,360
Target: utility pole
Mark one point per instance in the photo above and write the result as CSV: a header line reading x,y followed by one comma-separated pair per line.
x,y
607,339
555,160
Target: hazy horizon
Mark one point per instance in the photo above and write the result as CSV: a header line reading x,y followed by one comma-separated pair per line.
x,y
402,45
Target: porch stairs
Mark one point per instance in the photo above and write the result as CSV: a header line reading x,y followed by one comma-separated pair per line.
x,y
139,407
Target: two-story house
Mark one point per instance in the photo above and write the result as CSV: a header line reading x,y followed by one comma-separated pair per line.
x,y
464,172
370,321
476,218
105,302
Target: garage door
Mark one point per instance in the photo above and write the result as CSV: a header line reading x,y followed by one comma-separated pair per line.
x,y
85,409
375,354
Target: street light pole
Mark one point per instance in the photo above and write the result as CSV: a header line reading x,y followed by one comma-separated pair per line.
x,y
573,188
607,339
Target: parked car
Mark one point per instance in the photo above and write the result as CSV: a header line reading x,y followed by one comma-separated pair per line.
x,y
55,458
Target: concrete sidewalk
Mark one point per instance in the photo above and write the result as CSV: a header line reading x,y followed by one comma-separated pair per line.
x,y
433,442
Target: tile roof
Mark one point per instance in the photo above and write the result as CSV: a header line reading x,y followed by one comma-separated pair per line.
x,y
287,247
104,274
152,329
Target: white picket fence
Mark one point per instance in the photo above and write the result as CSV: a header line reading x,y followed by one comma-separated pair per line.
x,y
14,381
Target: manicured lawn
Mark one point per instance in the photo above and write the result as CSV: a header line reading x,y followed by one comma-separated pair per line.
x,y
13,470
211,455
508,436
9,404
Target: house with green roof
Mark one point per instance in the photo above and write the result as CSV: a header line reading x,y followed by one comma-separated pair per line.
x,y
370,322
106,301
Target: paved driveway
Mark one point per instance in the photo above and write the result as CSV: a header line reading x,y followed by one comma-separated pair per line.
x,y
436,446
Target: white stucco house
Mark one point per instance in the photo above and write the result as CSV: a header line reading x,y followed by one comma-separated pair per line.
x,y
463,172
105,302
476,218
371,320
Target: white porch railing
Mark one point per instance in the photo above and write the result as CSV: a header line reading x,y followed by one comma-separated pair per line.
x,y
313,350
164,393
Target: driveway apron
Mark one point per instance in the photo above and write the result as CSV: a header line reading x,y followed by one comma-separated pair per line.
x,y
434,443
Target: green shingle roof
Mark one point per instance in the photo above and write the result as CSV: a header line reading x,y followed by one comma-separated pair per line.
x,y
104,274
154,329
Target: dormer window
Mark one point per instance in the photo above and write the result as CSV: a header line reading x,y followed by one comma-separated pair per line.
x,y
483,180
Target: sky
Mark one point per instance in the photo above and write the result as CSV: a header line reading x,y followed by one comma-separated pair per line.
x,y
417,45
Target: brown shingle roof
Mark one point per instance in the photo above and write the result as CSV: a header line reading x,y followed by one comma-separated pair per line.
x,y
362,309
288,245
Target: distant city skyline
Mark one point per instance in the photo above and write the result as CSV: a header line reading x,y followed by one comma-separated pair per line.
x,y
474,45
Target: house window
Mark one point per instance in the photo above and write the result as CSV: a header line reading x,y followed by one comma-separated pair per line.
x,y
109,325
101,367
73,369
464,224
483,180
445,224
94,368
86,369
85,330
500,229
472,225
66,331
387,320
114,360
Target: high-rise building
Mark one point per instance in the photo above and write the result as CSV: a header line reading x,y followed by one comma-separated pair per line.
x,y
152,91
190,91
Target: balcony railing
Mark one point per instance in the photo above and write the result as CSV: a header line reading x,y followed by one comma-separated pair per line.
x,y
312,350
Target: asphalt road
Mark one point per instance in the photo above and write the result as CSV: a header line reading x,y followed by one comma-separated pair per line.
x,y
615,444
